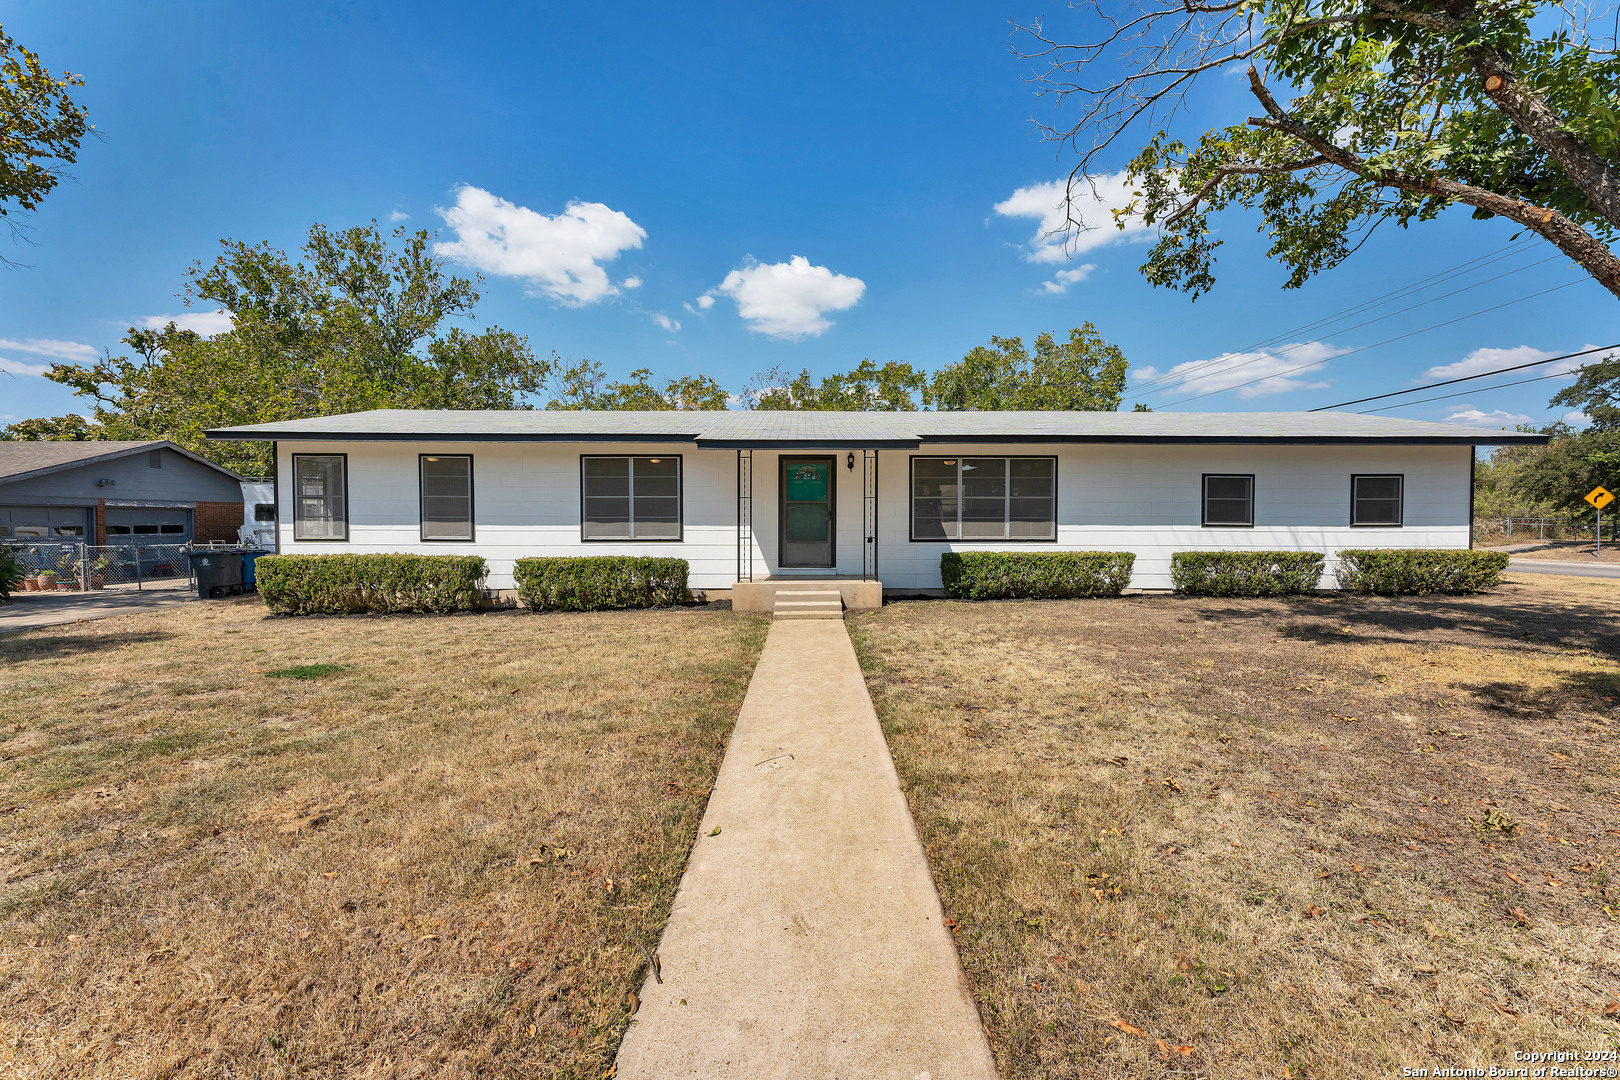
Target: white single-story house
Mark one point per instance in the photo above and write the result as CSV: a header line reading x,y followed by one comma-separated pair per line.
x,y
870,497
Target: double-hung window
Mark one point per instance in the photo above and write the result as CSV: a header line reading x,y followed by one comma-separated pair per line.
x,y
630,498
1376,500
320,497
984,498
1228,499
447,496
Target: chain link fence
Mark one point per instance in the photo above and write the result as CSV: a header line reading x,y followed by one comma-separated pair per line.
x,y
53,567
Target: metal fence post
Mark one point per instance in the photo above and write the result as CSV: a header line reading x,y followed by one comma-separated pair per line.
x,y
84,567
136,549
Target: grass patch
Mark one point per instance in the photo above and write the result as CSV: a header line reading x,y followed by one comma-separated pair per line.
x,y
306,671
443,864
1317,837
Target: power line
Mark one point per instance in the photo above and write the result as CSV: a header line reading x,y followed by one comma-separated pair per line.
x,y
1410,289
1380,318
1465,378
1464,393
1376,344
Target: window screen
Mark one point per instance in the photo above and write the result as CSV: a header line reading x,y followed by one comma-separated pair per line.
x,y
984,498
320,497
630,498
154,459
447,497
1228,500
1375,500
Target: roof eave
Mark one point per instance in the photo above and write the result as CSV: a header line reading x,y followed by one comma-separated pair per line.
x,y
114,455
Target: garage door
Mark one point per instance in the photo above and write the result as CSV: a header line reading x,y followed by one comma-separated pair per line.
x,y
145,525
62,524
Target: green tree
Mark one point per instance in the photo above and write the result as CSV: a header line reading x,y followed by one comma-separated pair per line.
x,y
894,387
357,323
40,128
585,385
1084,372
1370,111
1578,459
1498,490
69,428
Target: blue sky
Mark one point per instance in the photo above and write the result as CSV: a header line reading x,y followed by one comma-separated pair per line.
x,y
722,190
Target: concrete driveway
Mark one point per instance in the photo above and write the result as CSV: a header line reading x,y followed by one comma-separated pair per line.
x,y
30,610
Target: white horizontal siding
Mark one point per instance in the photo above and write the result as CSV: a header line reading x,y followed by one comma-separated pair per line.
x,y
1144,499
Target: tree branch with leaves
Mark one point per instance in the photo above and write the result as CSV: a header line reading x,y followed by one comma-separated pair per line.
x,y
1371,111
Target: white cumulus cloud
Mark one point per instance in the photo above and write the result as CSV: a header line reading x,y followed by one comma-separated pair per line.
x,y
206,323
1498,418
1064,278
17,367
1057,238
631,282
52,347
560,256
399,215
1482,360
1254,374
787,300
666,322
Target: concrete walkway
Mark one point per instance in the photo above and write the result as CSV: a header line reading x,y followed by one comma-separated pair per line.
x,y
30,610
807,938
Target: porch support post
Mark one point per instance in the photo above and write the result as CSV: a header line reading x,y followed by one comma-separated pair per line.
x,y
869,514
745,515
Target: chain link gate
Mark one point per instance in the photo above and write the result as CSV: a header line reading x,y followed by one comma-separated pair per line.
x,y
52,567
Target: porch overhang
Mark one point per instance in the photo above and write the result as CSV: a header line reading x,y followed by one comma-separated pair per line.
x,y
808,444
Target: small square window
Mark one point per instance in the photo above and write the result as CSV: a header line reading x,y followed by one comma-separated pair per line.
x,y
1376,500
1228,499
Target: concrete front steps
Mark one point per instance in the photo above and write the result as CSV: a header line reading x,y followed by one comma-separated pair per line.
x,y
808,601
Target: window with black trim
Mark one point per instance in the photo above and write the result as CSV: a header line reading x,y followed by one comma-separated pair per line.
x,y
320,497
447,496
1228,499
1376,500
984,498
630,498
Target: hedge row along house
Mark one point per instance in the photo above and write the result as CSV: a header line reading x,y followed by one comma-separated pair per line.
x,y
865,502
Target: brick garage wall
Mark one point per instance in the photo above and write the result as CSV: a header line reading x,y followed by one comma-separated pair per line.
x,y
216,520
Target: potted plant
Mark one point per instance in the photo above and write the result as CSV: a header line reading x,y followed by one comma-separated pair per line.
x,y
47,580
32,583
98,572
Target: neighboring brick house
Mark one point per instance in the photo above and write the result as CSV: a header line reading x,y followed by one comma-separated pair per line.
x,y
115,493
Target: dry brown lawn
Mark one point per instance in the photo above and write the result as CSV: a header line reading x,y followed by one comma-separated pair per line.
x,y
441,859
1323,837
1567,550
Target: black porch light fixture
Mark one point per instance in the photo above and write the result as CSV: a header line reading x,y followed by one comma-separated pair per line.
x,y
849,462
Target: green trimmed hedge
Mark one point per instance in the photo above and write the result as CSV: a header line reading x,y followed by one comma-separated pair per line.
x,y
1396,571
1245,573
355,584
1050,575
595,582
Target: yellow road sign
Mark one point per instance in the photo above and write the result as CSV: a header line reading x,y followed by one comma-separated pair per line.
x,y
1600,497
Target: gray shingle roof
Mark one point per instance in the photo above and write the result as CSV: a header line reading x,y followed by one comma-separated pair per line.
x,y
852,429
24,458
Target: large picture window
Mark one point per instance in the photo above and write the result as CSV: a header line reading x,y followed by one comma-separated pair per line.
x,y
630,498
1228,499
1376,500
984,498
447,496
320,497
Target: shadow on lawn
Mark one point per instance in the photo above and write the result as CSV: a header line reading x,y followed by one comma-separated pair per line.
x,y
61,645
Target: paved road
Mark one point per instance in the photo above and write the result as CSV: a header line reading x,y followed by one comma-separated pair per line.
x,y
31,610
1557,566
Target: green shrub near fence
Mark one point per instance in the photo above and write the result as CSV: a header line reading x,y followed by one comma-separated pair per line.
x,y
11,574
1394,571
597,582
1245,573
1049,575
356,584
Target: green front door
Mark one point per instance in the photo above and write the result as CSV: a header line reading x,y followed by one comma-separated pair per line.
x,y
807,512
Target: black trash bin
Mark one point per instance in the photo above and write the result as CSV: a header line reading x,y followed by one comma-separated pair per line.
x,y
219,573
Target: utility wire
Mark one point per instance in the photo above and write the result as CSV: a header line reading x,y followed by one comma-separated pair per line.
x,y
1376,344
1464,393
1466,378
1369,322
1356,309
